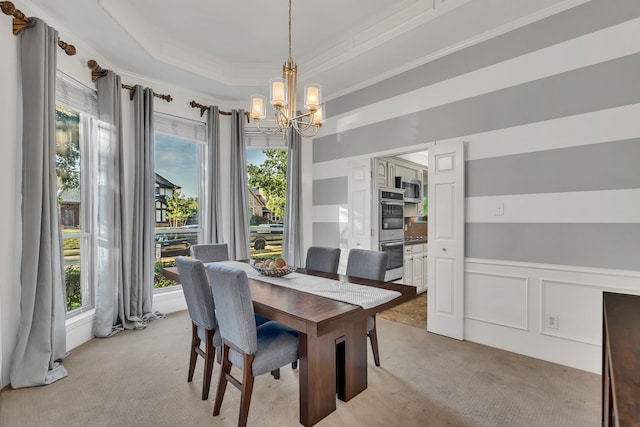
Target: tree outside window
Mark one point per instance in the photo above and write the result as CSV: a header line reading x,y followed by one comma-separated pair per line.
x,y
267,180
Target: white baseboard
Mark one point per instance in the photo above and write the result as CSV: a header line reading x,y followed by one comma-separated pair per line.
x,y
79,328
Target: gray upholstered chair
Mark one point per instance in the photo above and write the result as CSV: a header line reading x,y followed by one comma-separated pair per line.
x,y
255,350
323,258
204,327
213,252
369,265
210,252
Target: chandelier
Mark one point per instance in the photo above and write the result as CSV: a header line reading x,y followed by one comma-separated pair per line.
x,y
282,94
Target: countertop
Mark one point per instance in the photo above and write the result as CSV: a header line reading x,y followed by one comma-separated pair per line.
x,y
414,242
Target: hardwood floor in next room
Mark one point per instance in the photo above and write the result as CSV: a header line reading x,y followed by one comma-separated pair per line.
x,y
413,313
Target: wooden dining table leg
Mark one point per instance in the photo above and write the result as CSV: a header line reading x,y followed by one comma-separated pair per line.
x,y
317,377
353,360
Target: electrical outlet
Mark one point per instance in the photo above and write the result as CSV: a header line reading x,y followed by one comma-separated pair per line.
x,y
553,321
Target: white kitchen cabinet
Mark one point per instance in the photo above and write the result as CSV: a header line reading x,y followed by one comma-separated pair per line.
x,y
407,275
381,173
391,175
424,268
415,266
406,172
385,173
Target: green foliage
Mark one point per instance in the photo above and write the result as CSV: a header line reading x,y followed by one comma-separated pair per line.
x,y
180,208
271,177
73,288
72,243
159,281
67,149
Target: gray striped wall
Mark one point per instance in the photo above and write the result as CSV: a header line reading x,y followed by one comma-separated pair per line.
x,y
331,191
598,245
606,166
584,19
609,165
612,165
606,85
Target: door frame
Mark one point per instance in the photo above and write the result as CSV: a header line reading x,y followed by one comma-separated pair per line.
x,y
429,147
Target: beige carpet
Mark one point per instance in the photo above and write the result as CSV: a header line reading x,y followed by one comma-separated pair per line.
x,y
138,378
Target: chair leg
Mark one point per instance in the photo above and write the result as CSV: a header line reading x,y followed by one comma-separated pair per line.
x,y
208,364
276,373
195,343
247,389
222,383
373,336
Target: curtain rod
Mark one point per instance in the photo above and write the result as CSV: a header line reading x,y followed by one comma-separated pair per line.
x,y
97,72
204,108
21,21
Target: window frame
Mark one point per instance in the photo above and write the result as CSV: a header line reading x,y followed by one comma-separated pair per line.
x,y
194,132
87,129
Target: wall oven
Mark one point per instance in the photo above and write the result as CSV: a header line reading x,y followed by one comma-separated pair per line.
x,y
395,249
391,231
391,215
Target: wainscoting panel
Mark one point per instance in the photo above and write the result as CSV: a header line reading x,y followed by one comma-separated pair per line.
x,y
497,298
577,302
508,304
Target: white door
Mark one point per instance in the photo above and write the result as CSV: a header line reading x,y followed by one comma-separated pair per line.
x,y
360,190
445,280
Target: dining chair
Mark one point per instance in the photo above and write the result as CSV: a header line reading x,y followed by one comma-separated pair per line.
x,y
213,252
210,252
371,265
204,327
322,258
254,350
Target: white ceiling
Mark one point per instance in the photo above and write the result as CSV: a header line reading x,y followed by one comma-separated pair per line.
x,y
230,49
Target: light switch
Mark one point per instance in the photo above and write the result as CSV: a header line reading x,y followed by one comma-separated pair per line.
x,y
499,209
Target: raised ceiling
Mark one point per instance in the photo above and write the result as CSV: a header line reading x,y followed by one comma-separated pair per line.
x,y
231,49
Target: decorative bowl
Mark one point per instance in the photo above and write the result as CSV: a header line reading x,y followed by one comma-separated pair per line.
x,y
274,272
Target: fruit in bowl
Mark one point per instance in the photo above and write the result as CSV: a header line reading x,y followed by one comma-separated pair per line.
x,y
272,267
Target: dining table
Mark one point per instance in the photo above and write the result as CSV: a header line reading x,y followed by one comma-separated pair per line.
x,y
332,332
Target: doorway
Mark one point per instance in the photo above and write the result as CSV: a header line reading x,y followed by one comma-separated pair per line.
x,y
435,264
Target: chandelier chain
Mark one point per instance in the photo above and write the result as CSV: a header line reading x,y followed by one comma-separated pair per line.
x,y
290,30
287,117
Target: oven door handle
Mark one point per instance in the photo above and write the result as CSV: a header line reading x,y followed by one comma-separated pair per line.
x,y
384,202
384,244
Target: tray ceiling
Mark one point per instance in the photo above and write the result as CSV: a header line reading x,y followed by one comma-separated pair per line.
x,y
231,49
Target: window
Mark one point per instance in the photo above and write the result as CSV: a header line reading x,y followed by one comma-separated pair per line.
x,y
179,154
266,196
75,127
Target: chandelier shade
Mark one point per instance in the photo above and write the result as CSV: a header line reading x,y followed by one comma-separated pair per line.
x,y
283,98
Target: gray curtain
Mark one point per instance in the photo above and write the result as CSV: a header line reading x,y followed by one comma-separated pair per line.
x,y
41,340
138,215
212,205
239,243
292,238
125,215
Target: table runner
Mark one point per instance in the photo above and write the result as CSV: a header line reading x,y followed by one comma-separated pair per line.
x,y
352,293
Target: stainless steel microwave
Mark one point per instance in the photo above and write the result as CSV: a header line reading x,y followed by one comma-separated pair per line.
x,y
412,189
